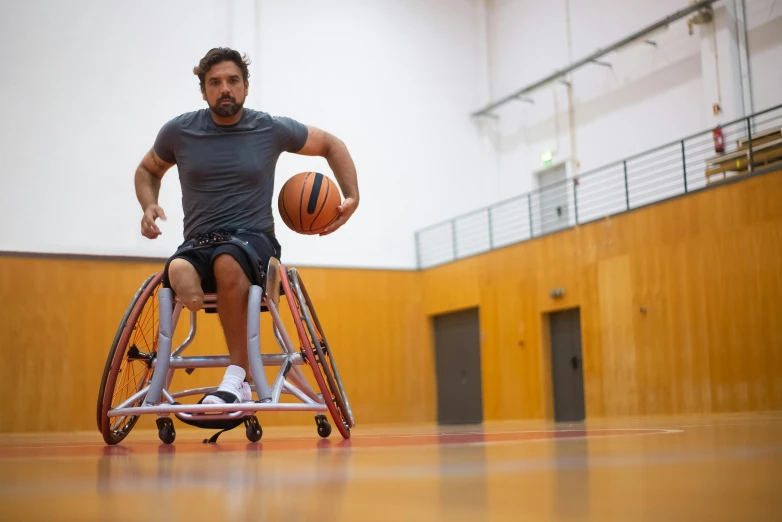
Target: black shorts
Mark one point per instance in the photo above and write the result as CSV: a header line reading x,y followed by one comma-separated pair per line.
x,y
202,258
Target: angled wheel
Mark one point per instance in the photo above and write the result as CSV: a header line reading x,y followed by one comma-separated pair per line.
x,y
129,364
318,352
324,353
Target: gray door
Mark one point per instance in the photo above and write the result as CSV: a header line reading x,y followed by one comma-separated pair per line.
x,y
553,199
458,367
566,366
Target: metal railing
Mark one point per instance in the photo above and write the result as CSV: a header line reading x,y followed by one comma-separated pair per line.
x,y
680,167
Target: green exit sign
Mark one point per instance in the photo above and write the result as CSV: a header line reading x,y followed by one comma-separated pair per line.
x,y
547,157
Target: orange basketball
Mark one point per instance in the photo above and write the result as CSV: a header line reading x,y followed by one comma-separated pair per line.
x,y
308,202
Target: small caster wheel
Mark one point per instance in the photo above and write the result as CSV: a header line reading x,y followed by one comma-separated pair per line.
x,y
324,428
165,430
253,429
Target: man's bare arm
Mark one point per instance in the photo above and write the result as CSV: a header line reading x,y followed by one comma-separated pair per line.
x,y
148,176
322,143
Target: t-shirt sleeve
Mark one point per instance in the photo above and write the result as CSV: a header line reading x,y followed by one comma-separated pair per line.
x,y
167,140
292,135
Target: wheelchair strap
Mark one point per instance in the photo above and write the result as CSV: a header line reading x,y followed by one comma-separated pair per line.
x,y
221,237
213,438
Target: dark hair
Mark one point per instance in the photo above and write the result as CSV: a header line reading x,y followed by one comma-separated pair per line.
x,y
221,54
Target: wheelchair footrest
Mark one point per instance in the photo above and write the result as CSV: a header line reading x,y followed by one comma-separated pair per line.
x,y
220,423
212,424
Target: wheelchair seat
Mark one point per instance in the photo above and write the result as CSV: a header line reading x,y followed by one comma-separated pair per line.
x,y
259,276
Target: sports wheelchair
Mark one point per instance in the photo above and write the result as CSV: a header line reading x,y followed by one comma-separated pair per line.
x,y
141,363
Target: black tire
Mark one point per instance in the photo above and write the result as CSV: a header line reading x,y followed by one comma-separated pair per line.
x,y
107,367
253,429
118,354
324,428
165,430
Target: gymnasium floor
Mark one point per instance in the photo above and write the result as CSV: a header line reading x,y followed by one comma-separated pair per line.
x,y
709,468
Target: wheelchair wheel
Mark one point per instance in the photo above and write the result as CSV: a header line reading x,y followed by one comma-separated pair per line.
x,y
129,364
318,352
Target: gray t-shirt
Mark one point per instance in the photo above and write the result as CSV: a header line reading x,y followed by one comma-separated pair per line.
x,y
227,172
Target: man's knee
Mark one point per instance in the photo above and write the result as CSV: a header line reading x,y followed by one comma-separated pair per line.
x,y
186,283
229,274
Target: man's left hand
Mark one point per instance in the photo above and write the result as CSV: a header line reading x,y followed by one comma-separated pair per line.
x,y
346,210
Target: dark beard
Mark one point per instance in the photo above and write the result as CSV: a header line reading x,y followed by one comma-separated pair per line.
x,y
226,111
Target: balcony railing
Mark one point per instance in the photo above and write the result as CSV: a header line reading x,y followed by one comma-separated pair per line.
x,y
687,165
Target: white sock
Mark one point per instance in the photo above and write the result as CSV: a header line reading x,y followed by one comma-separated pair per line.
x,y
232,383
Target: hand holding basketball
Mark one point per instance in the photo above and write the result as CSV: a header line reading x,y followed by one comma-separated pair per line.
x,y
309,203
345,210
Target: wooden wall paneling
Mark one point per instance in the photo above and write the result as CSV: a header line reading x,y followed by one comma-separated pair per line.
x,y
60,316
592,342
536,384
768,241
707,267
451,287
619,352
644,333
492,280
505,374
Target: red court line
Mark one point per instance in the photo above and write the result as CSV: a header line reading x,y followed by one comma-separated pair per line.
x,y
55,449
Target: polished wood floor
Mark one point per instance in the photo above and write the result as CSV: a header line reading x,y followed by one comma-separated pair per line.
x,y
709,468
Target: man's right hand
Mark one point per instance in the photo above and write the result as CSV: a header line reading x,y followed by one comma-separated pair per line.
x,y
148,226
147,182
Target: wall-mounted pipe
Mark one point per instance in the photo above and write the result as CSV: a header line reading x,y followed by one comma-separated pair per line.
x,y
562,74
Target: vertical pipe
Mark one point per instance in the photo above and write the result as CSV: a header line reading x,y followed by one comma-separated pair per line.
x,y
453,239
627,190
751,109
575,197
529,207
684,168
418,250
750,167
491,231
571,109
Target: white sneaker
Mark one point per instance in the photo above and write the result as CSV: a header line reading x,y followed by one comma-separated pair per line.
x,y
233,388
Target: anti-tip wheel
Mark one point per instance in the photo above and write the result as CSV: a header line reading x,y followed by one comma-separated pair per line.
x,y
253,429
165,430
324,428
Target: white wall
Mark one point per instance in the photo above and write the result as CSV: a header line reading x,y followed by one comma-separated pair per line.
x,y
650,95
394,80
87,85
764,18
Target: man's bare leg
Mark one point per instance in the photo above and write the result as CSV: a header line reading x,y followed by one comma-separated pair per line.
x,y
186,284
233,289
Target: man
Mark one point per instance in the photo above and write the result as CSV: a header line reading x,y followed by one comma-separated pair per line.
x,y
226,156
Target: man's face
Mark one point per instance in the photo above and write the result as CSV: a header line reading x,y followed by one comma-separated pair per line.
x,y
224,89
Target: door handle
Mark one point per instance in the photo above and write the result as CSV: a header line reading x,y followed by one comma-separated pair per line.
x,y
574,362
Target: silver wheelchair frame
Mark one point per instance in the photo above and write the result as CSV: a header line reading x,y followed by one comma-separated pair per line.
x,y
153,396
